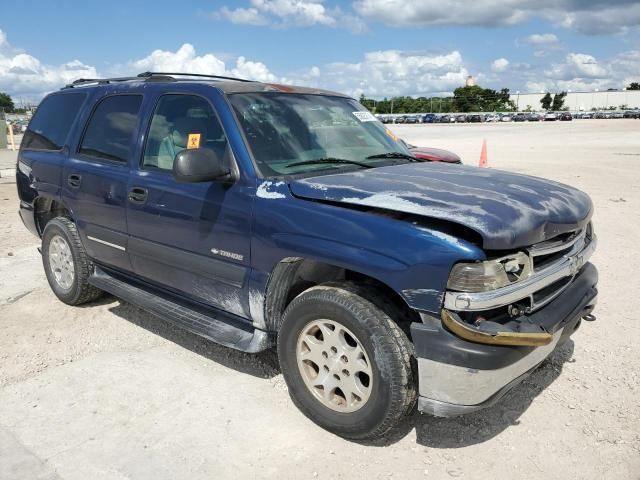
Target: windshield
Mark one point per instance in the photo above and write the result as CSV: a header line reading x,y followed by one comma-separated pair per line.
x,y
297,133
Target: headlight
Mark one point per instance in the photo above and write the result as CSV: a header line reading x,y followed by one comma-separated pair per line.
x,y
491,274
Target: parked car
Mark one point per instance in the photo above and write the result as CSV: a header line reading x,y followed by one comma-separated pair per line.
x,y
520,117
630,114
491,117
565,117
534,117
506,117
411,119
461,118
447,119
550,117
430,154
429,118
386,119
617,115
379,279
475,118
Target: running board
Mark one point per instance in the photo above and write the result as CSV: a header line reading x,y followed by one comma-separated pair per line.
x,y
204,325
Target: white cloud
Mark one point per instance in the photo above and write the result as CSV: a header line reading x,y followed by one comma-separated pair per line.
x,y
500,65
580,72
542,39
242,16
577,65
390,72
186,59
25,76
586,16
285,13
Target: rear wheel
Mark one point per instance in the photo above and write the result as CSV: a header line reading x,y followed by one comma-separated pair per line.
x,y
347,364
66,264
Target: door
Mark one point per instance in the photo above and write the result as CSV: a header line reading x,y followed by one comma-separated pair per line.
x,y
191,238
96,175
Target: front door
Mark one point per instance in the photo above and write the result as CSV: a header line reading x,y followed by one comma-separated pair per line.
x,y
192,238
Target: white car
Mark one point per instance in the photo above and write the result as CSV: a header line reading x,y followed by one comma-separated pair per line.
x,y
506,118
550,117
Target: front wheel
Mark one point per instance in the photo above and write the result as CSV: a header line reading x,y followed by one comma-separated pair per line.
x,y
347,364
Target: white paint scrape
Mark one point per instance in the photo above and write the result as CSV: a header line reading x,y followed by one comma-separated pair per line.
x,y
264,192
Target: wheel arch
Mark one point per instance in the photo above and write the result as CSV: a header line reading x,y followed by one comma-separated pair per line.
x,y
46,209
293,275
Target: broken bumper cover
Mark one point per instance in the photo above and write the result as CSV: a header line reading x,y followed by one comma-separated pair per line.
x,y
457,376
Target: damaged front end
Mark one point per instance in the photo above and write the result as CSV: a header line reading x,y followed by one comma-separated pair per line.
x,y
500,319
492,301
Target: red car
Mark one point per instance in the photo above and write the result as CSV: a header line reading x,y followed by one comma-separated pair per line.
x,y
434,154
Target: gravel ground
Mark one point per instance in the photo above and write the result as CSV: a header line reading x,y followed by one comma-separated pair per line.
x,y
108,392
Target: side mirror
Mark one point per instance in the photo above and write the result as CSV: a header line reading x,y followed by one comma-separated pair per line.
x,y
199,165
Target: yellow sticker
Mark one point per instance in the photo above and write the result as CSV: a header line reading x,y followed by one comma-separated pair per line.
x,y
193,141
391,134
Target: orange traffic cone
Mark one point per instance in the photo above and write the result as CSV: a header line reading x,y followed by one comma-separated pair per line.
x,y
484,163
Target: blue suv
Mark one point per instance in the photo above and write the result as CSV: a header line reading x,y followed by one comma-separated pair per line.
x,y
261,215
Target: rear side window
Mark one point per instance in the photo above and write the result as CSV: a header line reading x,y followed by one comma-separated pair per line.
x,y
109,133
50,126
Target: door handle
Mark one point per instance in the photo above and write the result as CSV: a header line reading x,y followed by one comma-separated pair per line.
x,y
138,195
74,180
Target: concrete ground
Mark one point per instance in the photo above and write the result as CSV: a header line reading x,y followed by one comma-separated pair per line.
x,y
8,160
106,391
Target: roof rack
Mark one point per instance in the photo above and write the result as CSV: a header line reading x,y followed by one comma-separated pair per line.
x,y
169,74
149,77
83,81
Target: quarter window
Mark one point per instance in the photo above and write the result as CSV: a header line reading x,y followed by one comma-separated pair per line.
x,y
50,126
180,122
109,133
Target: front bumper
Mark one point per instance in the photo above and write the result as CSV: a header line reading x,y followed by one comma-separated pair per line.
x,y
457,376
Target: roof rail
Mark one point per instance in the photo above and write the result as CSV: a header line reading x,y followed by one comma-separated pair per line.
x,y
148,77
170,74
84,81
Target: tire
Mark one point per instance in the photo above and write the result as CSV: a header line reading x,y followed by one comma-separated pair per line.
x,y
390,386
71,282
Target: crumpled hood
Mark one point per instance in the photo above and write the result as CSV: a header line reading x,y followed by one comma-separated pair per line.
x,y
507,209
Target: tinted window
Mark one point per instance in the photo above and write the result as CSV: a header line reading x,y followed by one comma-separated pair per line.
x,y
110,129
50,125
179,122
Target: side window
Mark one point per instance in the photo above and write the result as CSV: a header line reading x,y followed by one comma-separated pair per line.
x,y
50,126
179,122
109,133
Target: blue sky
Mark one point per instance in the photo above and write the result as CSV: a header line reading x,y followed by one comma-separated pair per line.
x,y
379,47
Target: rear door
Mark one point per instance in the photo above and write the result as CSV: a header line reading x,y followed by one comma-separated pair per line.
x,y
191,238
96,176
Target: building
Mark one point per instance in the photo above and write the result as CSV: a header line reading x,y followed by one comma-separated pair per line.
x,y
583,101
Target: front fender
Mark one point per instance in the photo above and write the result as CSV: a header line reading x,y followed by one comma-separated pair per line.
x,y
411,259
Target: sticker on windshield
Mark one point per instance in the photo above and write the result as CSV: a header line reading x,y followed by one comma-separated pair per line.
x,y
390,133
365,116
193,141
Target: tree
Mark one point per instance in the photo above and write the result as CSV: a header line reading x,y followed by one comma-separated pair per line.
x,y
558,101
477,99
634,86
6,102
546,101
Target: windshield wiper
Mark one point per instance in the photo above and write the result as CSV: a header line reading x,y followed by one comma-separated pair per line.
x,y
393,155
328,160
